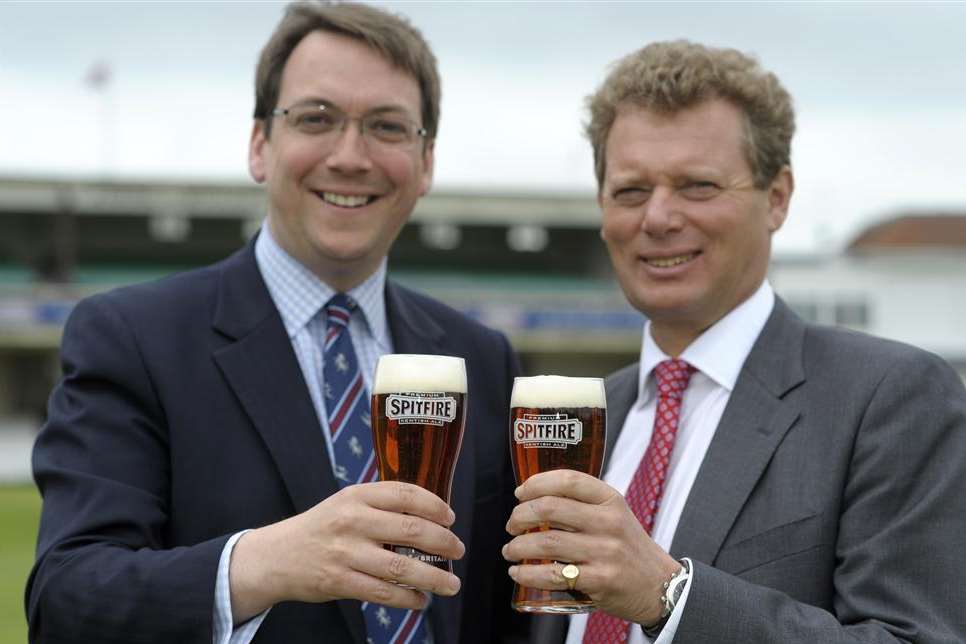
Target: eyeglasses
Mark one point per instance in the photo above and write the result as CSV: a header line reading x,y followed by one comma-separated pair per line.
x,y
383,129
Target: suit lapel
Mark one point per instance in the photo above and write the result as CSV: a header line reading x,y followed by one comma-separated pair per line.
x,y
621,389
751,428
414,331
262,370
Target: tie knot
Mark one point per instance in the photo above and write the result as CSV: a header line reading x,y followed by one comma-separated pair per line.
x,y
672,378
339,309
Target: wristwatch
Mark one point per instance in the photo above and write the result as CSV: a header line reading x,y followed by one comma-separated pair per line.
x,y
673,588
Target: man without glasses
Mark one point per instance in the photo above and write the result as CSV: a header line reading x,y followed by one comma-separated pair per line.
x,y
767,480
207,476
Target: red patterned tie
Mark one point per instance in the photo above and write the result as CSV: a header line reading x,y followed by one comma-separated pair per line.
x,y
646,488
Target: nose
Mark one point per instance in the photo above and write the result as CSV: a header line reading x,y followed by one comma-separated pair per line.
x,y
349,153
660,215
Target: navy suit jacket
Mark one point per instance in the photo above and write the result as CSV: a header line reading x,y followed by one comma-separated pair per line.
x,y
183,417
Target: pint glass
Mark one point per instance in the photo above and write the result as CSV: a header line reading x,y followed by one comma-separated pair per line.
x,y
556,423
418,414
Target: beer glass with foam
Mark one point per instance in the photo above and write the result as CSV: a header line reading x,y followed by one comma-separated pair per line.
x,y
418,415
556,423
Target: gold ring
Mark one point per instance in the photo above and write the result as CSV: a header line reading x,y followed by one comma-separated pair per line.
x,y
570,572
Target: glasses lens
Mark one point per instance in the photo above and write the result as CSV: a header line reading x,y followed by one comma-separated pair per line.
x,y
391,129
315,119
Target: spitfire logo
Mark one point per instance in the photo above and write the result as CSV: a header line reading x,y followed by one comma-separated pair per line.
x,y
555,431
421,408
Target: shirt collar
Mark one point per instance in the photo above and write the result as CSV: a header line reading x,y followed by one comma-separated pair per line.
x,y
721,351
299,295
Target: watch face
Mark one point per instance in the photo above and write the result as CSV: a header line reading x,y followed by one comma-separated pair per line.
x,y
678,591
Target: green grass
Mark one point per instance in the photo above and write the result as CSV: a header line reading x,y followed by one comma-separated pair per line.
x,y
19,513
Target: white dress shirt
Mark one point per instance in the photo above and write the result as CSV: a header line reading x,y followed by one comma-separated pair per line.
x,y
300,297
718,355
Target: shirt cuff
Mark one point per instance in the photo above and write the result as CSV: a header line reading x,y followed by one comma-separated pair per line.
x,y
223,631
671,627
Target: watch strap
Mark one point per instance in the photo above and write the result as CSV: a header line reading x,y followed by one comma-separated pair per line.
x,y
672,591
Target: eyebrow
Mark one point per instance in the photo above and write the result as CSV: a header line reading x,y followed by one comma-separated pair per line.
x,y
380,109
689,172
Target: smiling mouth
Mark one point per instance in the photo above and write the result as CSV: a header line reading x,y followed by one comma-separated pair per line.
x,y
345,201
669,262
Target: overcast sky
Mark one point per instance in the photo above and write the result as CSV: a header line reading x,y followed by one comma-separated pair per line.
x,y
880,92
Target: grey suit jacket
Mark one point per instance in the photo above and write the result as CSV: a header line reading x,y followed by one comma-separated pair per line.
x,y
831,504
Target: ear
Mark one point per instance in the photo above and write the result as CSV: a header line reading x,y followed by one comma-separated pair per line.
x,y
779,198
257,151
428,159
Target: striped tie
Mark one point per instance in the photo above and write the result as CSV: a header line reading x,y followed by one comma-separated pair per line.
x,y
347,409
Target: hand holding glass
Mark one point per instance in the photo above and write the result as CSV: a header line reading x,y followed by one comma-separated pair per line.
x,y
418,416
556,423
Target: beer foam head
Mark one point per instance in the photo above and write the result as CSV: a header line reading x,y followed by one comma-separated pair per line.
x,y
398,372
558,391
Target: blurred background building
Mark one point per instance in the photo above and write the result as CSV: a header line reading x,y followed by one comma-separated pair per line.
x,y
529,264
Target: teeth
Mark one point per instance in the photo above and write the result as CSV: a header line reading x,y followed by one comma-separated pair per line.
x,y
668,262
346,201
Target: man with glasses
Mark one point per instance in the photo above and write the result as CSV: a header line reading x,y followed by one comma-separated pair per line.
x,y
206,468
766,480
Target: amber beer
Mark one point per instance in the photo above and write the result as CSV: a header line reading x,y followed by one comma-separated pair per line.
x,y
418,415
556,423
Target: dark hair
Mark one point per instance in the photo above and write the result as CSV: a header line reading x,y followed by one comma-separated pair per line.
x,y
392,36
672,76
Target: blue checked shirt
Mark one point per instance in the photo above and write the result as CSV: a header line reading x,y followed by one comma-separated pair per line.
x,y
299,297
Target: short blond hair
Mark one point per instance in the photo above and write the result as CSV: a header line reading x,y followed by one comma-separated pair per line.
x,y
671,76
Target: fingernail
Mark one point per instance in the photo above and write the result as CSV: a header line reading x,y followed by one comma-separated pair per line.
x,y
503,551
452,516
456,584
513,572
516,492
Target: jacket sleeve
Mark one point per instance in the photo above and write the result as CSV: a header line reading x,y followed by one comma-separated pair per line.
x,y
899,568
104,571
